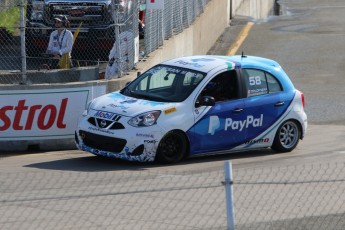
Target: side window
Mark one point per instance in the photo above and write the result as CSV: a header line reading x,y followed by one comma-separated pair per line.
x,y
273,84
222,87
256,82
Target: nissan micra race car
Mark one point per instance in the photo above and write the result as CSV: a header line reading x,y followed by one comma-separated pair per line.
x,y
197,105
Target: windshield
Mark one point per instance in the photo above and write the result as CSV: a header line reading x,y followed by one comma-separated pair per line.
x,y
164,83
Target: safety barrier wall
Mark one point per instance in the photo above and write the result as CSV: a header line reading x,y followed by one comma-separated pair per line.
x,y
256,9
80,74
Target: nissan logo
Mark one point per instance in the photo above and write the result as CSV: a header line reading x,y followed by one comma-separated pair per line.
x,y
103,123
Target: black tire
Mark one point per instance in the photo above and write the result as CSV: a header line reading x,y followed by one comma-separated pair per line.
x,y
172,148
287,137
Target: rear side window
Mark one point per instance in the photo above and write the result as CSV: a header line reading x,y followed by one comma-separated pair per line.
x,y
273,84
259,82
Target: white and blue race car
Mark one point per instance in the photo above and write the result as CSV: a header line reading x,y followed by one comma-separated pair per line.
x,y
197,105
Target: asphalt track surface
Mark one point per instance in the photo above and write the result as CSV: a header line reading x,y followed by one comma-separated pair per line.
x,y
76,190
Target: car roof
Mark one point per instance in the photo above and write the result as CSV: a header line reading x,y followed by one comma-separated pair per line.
x,y
206,63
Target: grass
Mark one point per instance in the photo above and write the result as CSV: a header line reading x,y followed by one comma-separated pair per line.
x,y
10,19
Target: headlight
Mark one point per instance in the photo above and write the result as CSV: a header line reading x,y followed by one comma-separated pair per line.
x,y
145,119
37,10
37,16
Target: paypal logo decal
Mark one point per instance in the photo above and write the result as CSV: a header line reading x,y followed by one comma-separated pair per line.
x,y
202,59
231,124
213,125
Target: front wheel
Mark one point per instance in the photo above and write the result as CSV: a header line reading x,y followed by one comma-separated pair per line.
x,y
287,137
172,148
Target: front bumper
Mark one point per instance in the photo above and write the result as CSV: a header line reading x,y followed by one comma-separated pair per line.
x,y
130,143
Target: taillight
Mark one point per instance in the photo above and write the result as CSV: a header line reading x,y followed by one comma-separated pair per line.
x,y
302,97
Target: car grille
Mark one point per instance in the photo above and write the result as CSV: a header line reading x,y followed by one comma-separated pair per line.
x,y
102,143
90,13
103,123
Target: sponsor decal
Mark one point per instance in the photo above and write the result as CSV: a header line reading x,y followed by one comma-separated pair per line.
x,y
214,124
44,117
128,100
202,59
105,115
200,111
171,110
145,135
261,140
255,92
150,141
101,130
117,106
231,124
196,65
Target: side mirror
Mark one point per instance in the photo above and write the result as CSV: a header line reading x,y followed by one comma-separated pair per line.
x,y
127,83
206,101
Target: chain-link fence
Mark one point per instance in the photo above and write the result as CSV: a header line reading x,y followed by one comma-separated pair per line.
x,y
163,24
10,56
95,27
26,26
289,197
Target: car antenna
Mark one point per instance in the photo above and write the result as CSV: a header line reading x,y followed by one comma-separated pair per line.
x,y
243,56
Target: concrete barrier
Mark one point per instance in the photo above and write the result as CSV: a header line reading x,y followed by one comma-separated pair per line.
x,y
80,74
256,9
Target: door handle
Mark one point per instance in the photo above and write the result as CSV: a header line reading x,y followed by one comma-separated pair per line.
x,y
237,110
280,103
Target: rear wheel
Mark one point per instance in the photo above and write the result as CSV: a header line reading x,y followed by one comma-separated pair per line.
x,y
287,137
172,148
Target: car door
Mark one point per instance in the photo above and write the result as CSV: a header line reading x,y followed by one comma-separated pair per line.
x,y
219,127
263,104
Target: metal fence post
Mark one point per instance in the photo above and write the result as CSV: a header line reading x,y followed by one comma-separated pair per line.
x,y
229,195
22,41
115,9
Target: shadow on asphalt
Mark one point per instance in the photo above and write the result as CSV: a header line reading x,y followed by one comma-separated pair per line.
x,y
91,163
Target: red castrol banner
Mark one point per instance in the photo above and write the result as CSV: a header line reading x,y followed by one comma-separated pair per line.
x,y
43,114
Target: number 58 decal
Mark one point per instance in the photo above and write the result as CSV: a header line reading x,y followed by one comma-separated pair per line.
x,y
255,80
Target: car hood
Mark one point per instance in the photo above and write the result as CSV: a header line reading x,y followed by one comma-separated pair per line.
x,y
127,106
